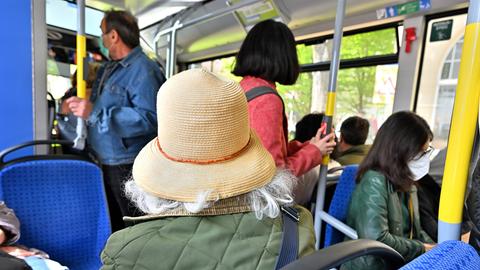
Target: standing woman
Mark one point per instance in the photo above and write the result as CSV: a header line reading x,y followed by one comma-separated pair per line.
x,y
269,56
384,205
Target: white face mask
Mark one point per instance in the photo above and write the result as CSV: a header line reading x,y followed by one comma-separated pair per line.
x,y
419,166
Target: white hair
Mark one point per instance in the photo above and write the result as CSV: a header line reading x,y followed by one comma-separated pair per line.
x,y
263,201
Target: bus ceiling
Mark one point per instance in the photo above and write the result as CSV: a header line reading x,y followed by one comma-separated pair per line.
x,y
221,35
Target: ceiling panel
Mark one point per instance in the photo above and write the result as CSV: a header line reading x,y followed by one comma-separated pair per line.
x,y
305,17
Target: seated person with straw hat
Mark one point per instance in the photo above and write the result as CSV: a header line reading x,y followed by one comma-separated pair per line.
x,y
211,194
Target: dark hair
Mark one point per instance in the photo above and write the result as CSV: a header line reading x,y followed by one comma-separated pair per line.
x,y
308,126
269,52
398,141
354,130
126,26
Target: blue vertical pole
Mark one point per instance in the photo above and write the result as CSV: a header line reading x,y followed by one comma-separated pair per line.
x,y
332,86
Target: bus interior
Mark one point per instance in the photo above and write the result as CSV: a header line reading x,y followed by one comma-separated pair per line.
x,y
394,56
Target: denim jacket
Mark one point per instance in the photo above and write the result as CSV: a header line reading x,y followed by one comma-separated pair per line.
x,y
124,119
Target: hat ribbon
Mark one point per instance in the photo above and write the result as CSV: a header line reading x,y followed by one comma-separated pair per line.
x,y
200,162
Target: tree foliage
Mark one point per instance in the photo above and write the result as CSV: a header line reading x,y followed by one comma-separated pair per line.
x,y
355,86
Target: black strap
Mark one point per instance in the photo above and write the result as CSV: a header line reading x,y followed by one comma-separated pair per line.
x,y
262,90
289,246
10,262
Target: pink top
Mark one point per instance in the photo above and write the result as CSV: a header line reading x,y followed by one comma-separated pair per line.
x,y
265,113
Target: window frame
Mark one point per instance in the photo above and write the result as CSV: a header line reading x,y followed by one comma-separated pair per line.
x,y
325,66
368,61
428,19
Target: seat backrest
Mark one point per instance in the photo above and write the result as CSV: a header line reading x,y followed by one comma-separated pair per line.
x,y
447,255
340,203
61,206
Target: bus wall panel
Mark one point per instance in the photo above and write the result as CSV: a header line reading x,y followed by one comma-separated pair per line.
x,y
16,110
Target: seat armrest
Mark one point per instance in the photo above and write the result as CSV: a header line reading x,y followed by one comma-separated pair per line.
x,y
338,254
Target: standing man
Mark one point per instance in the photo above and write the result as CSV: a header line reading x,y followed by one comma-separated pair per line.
x,y
120,115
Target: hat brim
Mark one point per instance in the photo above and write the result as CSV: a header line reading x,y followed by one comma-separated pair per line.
x,y
253,168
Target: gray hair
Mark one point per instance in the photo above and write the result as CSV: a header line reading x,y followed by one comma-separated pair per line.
x,y
263,201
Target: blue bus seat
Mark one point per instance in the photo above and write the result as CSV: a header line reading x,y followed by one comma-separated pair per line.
x,y
61,206
340,203
447,255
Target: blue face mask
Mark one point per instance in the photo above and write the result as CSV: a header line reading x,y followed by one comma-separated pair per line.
x,y
419,166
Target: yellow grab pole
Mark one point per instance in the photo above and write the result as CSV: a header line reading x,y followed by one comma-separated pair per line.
x,y
462,131
330,109
82,71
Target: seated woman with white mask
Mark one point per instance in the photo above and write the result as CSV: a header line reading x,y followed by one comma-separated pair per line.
x,y
384,205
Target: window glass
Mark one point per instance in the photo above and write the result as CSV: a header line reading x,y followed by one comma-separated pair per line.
x,y
298,98
221,66
456,67
308,54
458,49
445,71
374,43
438,81
58,85
64,14
58,77
366,91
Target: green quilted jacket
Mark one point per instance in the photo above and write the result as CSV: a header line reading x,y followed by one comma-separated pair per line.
x,y
234,241
379,212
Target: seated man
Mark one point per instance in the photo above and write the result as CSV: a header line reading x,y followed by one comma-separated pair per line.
x,y
210,191
351,148
9,235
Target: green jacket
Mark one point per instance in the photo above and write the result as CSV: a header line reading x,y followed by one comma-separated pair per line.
x,y
353,155
380,213
234,241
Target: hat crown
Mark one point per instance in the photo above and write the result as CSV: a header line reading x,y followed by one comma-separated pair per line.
x,y
201,116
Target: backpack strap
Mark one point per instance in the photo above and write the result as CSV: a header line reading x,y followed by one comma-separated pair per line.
x,y
262,90
8,261
289,246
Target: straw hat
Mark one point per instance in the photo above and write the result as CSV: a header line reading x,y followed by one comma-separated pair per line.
x,y
204,142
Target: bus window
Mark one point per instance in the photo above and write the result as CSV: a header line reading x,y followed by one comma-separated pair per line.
x,y
364,88
221,66
438,81
364,91
362,45
58,77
